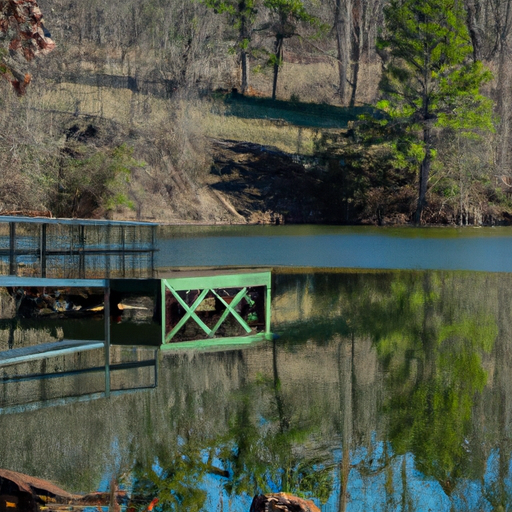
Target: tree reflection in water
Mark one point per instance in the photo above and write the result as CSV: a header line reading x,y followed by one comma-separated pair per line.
x,y
250,458
433,361
386,391
431,332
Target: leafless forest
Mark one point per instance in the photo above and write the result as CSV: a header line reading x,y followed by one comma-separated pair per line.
x,y
120,117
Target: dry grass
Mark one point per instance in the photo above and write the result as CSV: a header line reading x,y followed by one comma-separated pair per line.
x,y
291,139
318,82
136,110
315,82
119,105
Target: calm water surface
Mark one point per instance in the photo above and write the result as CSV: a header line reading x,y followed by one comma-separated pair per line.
x,y
387,390
486,249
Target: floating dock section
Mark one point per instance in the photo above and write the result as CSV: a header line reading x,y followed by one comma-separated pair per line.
x,y
64,269
206,307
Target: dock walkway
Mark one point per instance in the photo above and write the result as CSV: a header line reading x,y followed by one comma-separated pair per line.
x,y
191,308
44,350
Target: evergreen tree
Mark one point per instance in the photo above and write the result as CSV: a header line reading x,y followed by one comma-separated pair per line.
x,y
430,80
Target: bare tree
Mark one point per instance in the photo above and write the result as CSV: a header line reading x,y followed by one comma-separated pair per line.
x,y
342,28
285,15
354,26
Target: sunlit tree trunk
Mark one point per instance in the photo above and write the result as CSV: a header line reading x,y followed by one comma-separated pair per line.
x,y
278,59
356,44
342,25
244,36
504,99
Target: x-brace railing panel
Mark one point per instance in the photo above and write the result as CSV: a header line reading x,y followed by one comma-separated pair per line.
x,y
190,312
230,308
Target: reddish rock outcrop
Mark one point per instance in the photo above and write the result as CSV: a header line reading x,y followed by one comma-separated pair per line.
x,y
281,502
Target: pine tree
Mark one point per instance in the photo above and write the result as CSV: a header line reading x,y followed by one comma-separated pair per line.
x,y
430,80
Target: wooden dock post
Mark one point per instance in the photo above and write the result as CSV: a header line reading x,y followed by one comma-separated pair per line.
x,y
12,249
106,312
42,250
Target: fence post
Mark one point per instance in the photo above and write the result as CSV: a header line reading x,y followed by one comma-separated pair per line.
x,y
106,312
42,255
12,248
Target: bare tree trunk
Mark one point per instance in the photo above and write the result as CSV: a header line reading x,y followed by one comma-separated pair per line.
x,y
356,43
243,35
346,376
503,100
243,64
424,175
503,106
279,56
473,9
342,25
405,496
371,20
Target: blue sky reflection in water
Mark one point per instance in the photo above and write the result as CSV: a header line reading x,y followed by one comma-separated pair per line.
x,y
486,249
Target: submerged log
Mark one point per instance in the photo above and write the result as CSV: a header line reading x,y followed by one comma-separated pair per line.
x,y
25,493
281,502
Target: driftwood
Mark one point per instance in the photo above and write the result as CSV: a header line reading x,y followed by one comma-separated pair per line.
x,y
281,502
27,213
24,493
32,484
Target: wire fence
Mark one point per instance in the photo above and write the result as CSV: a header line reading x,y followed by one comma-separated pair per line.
x,y
76,249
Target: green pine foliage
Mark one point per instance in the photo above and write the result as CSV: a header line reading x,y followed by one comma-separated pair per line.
x,y
430,82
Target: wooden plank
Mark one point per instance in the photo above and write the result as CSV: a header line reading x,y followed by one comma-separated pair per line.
x,y
70,373
189,314
217,280
12,248
106,315
204,271
230,308
44,350
34,406
54,402
216,343
144,249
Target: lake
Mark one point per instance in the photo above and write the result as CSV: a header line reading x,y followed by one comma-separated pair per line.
x,y
486,249
387,386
